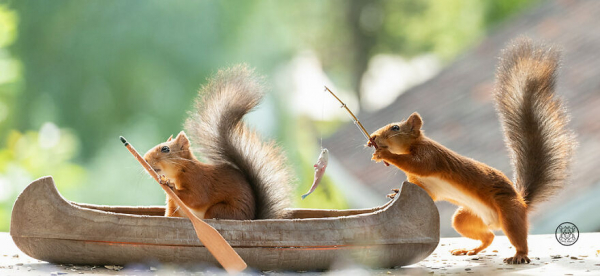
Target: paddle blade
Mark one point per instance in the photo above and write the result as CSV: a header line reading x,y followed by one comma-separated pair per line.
x,y
219,247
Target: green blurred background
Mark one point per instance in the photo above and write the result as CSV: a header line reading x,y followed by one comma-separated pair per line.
x,y
74,75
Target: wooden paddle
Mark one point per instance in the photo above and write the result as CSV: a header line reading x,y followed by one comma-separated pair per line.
x,y
209,236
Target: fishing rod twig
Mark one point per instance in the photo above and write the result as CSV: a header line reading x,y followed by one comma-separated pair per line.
x,y
356,121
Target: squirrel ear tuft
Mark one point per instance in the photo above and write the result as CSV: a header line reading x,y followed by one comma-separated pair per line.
x,y
182,140
170,138
414,121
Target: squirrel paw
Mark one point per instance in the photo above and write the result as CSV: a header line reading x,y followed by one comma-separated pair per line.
x,y
457,252
377,155
163,180
518,259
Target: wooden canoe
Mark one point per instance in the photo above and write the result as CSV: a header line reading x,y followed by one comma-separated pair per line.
x,y
48,227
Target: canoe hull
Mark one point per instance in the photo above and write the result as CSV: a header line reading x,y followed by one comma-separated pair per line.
x,y
47,227
84,252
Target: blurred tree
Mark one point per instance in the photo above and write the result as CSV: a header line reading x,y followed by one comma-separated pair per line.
x,y
92,66
407,28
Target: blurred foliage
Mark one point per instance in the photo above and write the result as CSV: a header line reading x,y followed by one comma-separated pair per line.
x,y
26,155
74,75
408,27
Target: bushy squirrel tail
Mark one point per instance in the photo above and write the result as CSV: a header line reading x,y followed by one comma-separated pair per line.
x,y
534,119
216,127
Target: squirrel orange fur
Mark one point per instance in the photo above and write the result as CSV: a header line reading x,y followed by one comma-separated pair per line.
x,y
535,127
245,177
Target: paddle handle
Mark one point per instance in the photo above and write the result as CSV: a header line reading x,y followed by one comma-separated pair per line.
x,y
208,235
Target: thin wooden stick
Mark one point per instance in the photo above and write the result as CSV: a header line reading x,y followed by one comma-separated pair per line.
x,y
209,236
357,122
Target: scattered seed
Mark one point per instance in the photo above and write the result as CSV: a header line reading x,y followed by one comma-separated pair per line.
x,y
113,267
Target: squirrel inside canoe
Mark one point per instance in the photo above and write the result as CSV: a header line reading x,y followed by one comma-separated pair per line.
x,y
246,177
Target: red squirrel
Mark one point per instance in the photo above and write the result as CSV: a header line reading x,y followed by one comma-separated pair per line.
x,y
534,121
245,177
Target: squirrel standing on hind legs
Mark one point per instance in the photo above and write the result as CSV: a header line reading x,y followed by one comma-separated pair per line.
x,y
245,178
535,128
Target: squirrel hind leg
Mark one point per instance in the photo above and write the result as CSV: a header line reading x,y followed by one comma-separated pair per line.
x,y
471,226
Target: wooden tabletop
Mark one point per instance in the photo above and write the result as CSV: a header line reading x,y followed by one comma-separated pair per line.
x,y
547,255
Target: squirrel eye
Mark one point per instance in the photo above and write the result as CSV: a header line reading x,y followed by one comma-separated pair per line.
x,y
165,149
395,127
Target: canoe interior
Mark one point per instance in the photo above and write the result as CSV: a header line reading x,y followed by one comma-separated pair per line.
x,y
294,213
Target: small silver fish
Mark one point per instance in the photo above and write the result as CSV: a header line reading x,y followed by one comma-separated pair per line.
x,y
319,170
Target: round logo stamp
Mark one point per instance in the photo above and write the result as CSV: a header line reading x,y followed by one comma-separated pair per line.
x,y
567,233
